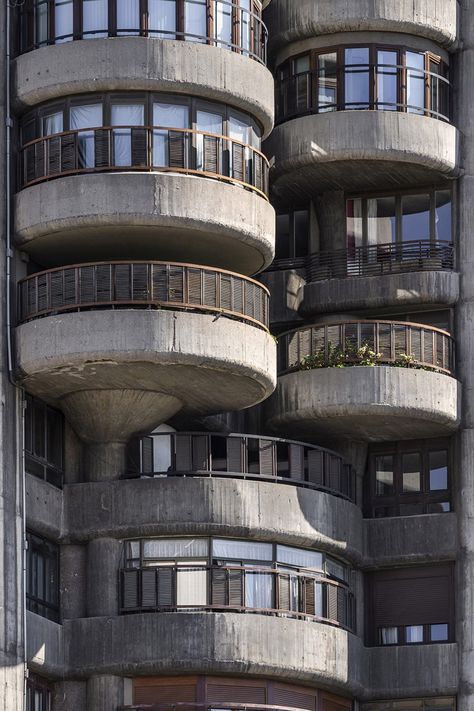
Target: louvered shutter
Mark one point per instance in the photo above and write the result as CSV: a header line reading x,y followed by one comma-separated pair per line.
x,y
331,598
316,466
238,162
209,282
40,158
210,151
122,282
292,697
183,453
236,588
54,156
130,589
140,282
102,148
56,289
226,292
194,286
43,292
69,287
103,283
139,147
308,596
296,452
166,596
147,459
159,283
266,457
176,149
164,691
341,606
86,277
68,152
219,587
284,591
148,588
176,284
238,692
234,455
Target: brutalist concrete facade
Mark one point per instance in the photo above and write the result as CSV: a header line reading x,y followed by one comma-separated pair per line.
x,y
116,371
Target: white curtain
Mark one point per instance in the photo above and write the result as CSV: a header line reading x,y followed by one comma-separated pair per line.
x,y
389,635
125,115
195,20
245,24
210,123
95,18
259,590
162,18
225,549
41,22
310,560
414,634
172,548
223,23
128,17
84,117
52,124
63,20
192,585
166,115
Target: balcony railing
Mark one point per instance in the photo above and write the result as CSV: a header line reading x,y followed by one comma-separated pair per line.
x,y
204,454
144,149
219,23
393,343
238,589
83,287
195,706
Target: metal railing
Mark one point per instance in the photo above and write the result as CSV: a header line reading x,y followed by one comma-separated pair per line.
x,y
396,343
171,588
379,259
227,24
208,454
144,148
166,285
208,706
307,92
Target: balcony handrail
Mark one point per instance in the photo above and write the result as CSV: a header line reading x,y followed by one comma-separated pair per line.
x,y
207,706
257,33
227,159
141,284
393,341
155,589
309,466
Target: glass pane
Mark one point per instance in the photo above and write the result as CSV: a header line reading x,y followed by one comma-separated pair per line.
x,y
414,634
301,65
171,548
95,15
337,570
42,24
209,123
387,80
223,23
128,17
443,215
83,117
162,453
355,234
327,76
195,20
389,635
357,94
52,124
162,18
301,226
438,470
282,246
245,24
411,472
381,220
439,633
166,115
239,129
225,549
384,475
309,560
63,20
415,217
259,590
191,586
415,62
125,115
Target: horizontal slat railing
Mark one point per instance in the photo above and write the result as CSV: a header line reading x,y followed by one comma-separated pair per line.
x,y
237,588
397,343
195,706
381,259
229,25
140,285
144,148
243,457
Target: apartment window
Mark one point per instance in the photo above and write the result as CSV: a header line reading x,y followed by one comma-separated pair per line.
x,y
408,606
427,704
42,588
44,441
292,235
409,478
39,694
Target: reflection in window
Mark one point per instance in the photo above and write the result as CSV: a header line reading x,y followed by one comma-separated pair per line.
x,y
411,472
415,217
63,20
162,18
384,475
387,80
438,470
42,587
195,20
125,115
128,17
389,635
95,18
357,78
415,62
414,634
327,84
83,117
292,235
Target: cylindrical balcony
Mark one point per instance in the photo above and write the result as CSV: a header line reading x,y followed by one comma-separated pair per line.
x,y
375,380
145,339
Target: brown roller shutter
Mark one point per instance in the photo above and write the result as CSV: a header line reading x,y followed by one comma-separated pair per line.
x,y
332,609
219,587
68,152
236,588
309,596
334,703
234,455
54,152
238,161
292,696
210,159
176,149
87,285
316,466
165,691
238,692
283,594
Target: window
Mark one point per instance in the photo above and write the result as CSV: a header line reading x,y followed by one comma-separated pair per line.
x,y
39,695
409,478
428,704
413,605
292,235
44,441
42,587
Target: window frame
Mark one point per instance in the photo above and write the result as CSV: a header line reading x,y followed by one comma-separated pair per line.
x,y
49,552
33,405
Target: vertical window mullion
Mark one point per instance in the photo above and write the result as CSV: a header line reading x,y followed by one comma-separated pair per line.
x,y
112,18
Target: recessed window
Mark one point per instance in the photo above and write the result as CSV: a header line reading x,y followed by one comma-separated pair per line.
x,y
414,634
389,635
411,472
42,589
44,441
39,694
439,633
292,236
438,462
384,471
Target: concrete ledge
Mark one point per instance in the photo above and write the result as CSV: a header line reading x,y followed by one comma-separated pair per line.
x,y
204,362
360,150
45,645
44,508
152,215
410,539
219,507
376,292
217,643
373,404
289,21
411,671
144,64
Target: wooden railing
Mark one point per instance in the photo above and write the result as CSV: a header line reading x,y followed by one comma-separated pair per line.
x,y
396,343
144,148
237,456
228,25
237,588
164,285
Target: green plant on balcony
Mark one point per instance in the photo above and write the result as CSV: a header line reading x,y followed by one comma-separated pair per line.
x,y
341,357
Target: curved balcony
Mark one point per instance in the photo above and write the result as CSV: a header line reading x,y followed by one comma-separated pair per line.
x,y
360,150
378,380
249,589
376,276
177,336
290,22
203,454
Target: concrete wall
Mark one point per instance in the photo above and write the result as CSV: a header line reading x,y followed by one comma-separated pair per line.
x,y
45,645
285,287
132,64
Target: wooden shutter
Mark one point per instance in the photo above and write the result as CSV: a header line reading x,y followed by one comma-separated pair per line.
x,y
210,157
316,466
234,454
68,152
54,156
292,696
219,692
148,588
308,596
329,702
296,453
102,148
139,147
284,591
129,589
176,149
266,457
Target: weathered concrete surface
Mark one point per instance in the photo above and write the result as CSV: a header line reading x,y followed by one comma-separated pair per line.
x,y
418,289
360,150
372,404
142,64
45,646
44,507
289,21
207,363
70,695
154,215
105,693
285,287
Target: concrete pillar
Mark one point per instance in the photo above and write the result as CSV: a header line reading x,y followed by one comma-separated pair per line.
x,y
331,213
465,332
69,696
73,588
105,693
105,461
103,563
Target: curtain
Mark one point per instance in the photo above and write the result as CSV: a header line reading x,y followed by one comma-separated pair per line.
x,y
128,17
414,634
52,124
195,20
125,115
63,20
172,548
166,115
224,549
162,18
162,452
84,117
310,560
245,25
95,18
389,635
223,23
41,22
259,590
192,585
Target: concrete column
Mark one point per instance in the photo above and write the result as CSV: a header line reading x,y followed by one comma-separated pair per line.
x,y
73,563
331,213
464,479
103,563
104,461
69,695
105,693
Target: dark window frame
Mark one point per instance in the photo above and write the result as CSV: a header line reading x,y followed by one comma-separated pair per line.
x,y
43,466
37,685
43,602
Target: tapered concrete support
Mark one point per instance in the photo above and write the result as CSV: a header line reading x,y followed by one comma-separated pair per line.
x,y
104,693
103,562
70,695
72,570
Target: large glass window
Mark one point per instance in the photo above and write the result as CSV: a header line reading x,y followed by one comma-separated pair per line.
x,y
195,20
128,17
292,236
356,87
44,435
42,587
415,62
126,115
85,117
327,84
95,18
63,20
162,18
387,80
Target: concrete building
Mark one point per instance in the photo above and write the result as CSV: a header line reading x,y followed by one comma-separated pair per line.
x,y
236,372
